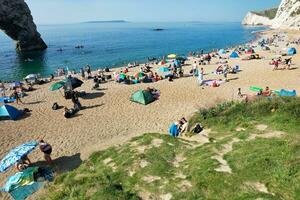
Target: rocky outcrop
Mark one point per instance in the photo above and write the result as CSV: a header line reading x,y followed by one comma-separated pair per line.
x,y
288,15
254,19
16,21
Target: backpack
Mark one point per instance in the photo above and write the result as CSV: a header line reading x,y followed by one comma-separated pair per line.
x,y
55,106
197,129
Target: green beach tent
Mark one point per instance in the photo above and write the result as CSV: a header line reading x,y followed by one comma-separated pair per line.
x,y
142,97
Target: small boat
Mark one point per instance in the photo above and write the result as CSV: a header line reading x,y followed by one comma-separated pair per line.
x,y
158,29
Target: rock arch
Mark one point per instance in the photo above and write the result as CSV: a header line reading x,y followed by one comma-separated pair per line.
x,y
17,22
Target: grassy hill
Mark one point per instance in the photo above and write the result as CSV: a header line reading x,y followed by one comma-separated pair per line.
x,y
270,13
253,153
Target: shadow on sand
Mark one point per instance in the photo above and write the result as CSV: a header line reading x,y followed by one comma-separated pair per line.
x,y
93,95
62,164
91,107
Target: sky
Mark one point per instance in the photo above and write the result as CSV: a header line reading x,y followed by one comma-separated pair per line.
x,y
72,11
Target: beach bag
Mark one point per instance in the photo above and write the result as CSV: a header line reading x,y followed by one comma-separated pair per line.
x,y
197,129
55,106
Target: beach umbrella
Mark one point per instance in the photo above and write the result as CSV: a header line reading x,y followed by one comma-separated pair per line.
x,y
172,56
31,77
57,86
74,82
16,84
17,154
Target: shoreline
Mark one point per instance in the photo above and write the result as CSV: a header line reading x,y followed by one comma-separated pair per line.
x,y
139,61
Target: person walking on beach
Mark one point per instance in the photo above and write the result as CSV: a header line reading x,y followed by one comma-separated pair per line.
x,y
47,150
15,95
201,77
225,72
276,64
194,69
82,73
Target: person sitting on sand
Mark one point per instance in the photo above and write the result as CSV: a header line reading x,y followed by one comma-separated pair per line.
x,y
46,148
75,100
184,126
267,92
68,113
288,63
219,69
157,77
23,163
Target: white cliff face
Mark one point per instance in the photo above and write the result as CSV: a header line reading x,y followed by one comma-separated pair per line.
x,y
254,19
288,15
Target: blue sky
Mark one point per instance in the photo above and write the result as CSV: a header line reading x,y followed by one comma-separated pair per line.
x,y
71,11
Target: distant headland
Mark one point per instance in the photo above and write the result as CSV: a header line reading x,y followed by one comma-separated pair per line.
x,y
111,21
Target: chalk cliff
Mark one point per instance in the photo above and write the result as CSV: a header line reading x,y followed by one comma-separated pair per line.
x,y
255,20
287,16
16,21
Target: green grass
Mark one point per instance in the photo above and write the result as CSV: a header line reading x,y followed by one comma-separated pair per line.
x,y
274,162
270,13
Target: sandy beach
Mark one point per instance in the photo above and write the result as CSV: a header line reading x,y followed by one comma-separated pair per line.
x,y
111,118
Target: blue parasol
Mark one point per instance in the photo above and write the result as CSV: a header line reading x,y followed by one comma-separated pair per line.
x,y
16,84
16,154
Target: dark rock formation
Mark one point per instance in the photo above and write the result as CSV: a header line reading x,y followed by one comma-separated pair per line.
x,y
16,21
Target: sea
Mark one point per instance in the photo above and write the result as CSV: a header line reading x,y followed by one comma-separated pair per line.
x,y
116,44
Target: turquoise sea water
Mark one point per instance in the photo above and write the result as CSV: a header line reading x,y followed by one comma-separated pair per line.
x,y
114,44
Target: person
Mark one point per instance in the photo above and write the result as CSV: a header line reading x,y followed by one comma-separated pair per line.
x,y
288,63
240,93
208,58
51,77
267,92
184,126
75,100
201,77
82,73
46,148
194,69
16,96
276,64
88,70
225,72
2,89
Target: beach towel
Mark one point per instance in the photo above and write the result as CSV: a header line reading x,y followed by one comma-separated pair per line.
x,y
7,100
25,183
211,82
255,89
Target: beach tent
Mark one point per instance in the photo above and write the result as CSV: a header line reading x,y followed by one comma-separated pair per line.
x,y
142,97
291,51
287,93
234,55
222,51
10,112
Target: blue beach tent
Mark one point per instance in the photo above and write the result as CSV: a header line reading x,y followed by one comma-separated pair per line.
x,y
10,112
291,51
234,55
